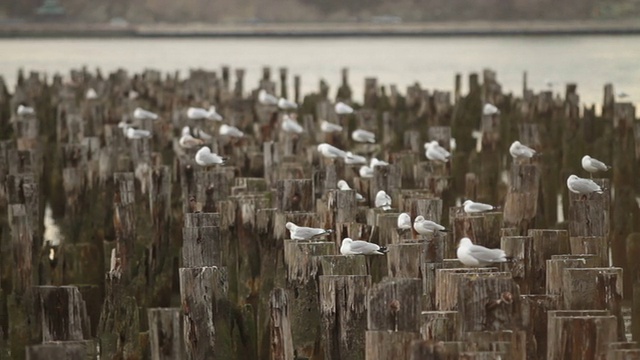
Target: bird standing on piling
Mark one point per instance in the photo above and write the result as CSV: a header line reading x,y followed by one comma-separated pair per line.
x,y
141,114
471,207
289,125
188,142
228,130
25,110
284,104
212,114
354,159
327,127
383,200
343,109
91,94
427,227
435,152
363,136
519,151
342,185
365,172
404,223
204,157
476,255
330,151
583,186
592,165
360,247
375,162
133,134
265,98
306,233
490,109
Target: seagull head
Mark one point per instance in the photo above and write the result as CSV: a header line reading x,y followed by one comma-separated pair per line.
x,y
290,226
517,143
466,202
342,185
465,241
418,219
586,157
572,178
347,240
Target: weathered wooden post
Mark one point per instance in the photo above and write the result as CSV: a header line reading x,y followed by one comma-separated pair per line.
x,y
545,244
393,320
573,334
63,313
295,195
165,333
343,309
280,326
520,207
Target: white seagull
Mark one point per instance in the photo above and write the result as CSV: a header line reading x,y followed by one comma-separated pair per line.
x,y
140,114
342,185
25,110
343,109
305,233
132,133
285,104
426,227
592,165
519,151
197,113
490,109
359,247
229,130
365,171
204,157
188,142
471,207
404,222
435,152
579,185
360,135
327,127
383,200
265,98
476,255
289,125
375,162
330,151
353,159
91,94
213,115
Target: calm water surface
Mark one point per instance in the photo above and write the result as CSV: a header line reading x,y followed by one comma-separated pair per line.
x,y
590,61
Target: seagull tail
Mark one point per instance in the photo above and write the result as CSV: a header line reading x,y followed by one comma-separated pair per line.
x,y
444,230
497,207
386,208
383,250
328,231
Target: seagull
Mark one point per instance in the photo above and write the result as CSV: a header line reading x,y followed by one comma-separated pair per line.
x,y
327,127
265,98
305,233
140,114
592,165
365,171
476,255
230,131
188,142
330,151
404,223
490,109
426,227
435,152
25,110
186,130
213,115
471,207
622,95
343,109
519,151
132,133
289,125
91,94
579,185
342,185
383,200
353,159
197,113
201,134
360,135
359,247
285,104
375,162
204,157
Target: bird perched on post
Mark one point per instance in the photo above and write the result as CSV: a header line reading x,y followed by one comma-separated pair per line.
x,y
471,207
290,125
435,152
360,135
359,247
404,223
330,151
519,151
204,157
284,104
327,127
342,185
583,186
592,165
306,233
490,109
265,98
343,109
427,227
188,142
476,255
383,200
140,113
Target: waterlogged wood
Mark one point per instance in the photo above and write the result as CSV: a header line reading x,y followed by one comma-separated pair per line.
x,y
572,335
534,322
394,305
344,315
281,347
165,333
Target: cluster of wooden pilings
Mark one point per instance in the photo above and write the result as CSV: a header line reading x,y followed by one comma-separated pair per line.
x,y
158,258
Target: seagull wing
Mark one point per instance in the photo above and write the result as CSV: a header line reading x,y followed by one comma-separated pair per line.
x,y
364,247
483,254
585,186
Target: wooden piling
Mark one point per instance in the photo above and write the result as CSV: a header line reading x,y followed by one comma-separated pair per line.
x,y
165,333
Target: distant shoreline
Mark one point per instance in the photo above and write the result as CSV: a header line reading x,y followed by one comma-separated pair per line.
x,y
471,28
